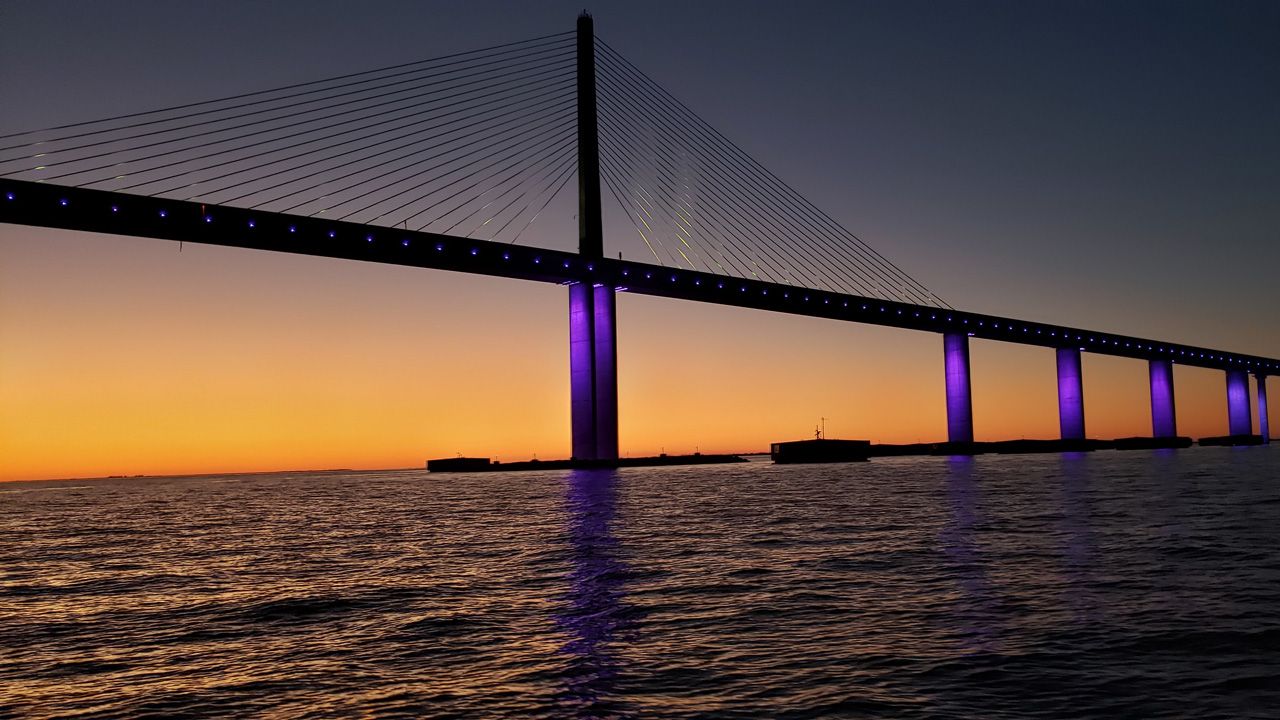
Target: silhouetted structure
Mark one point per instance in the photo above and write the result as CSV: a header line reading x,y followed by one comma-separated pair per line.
x,y
485,131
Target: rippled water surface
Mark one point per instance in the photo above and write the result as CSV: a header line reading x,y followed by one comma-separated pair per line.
x,y
1129,585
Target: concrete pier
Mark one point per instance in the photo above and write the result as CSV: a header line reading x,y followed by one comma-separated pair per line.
x,y
606,373
593,366
1264,426
1239,411
1164,421
959,395
1070,394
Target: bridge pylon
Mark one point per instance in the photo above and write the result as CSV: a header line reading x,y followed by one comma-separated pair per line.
x,y
593,343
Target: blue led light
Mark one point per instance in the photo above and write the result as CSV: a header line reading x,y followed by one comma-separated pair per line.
x,y
566,263
208,218
333,234
697,282
115,208
405,242
368,238
649,276
164,213
252,224
475,251
743,288
537,261
9,196
626,273
590,267
293,229
63,202
720,286
505,256
673,278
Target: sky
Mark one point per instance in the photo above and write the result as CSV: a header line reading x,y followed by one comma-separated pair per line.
x,y
1110,165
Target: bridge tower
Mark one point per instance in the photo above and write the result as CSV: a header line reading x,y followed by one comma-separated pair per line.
x,y
593,343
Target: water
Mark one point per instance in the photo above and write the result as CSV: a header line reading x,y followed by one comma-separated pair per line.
x,y
1128,585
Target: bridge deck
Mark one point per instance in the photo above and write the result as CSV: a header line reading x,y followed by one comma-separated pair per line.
x,y
28,203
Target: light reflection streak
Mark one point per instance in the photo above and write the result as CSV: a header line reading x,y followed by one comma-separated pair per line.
x,y
976,611
593,613
1079,553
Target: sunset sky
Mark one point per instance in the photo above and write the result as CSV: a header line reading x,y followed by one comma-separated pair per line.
x,y
1111,165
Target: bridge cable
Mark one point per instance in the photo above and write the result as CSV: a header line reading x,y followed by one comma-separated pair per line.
x,y
568,174
872,268
754,234
420,136
905,282
472,127
257,133
642,189
563,36
566,63
746,210
548,172
731,216
538,130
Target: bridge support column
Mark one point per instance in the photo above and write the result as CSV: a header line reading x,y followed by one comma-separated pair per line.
x,y
1239,413
955,348
1264,426
593,367
1164,421
1070,394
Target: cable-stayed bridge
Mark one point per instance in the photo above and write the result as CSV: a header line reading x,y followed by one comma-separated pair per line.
x,y
447,163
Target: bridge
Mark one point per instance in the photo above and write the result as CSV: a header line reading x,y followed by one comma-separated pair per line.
x,y
483,141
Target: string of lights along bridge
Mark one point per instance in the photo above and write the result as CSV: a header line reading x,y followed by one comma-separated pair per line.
x,y
446,163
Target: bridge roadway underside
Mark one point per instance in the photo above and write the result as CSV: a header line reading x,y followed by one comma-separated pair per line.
x,y
39,204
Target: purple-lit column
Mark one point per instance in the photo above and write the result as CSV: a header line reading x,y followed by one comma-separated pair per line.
x,y
1164,422
1264,427
582,399
955,348
1239,413
606,373
593,366
1070,394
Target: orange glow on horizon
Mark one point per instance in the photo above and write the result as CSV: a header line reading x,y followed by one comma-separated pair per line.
x,y
222,360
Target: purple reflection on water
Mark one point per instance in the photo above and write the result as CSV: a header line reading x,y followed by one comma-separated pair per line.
x,y
592,613
976,607
1079,551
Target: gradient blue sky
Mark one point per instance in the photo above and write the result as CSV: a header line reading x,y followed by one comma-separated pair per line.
x,y
1113,165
